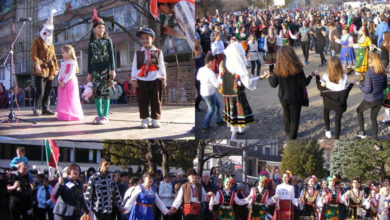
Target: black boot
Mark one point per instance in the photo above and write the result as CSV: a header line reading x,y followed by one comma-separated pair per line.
x,y
47,111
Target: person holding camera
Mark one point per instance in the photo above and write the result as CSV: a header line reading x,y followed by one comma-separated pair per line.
x,y
21,196
45,67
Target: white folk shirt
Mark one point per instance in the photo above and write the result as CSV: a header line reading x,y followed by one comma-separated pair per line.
x,y
286,192
217,47
208,81
365,203
67,70
179,197
268,201
134,195
237,200
151,76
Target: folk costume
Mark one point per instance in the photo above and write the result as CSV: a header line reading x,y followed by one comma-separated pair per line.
x,y
191,195
356,202
69,106
242,38
142,200
286,35
259,200
347,53
331,203
284,206
43,54
149,72
234,78
101,61
226,199
363,51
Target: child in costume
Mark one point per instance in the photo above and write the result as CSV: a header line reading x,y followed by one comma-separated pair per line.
x,y
101,66
148,75
347,54
330,200
285,199
259,200
385,48
69,106
356,201
309,198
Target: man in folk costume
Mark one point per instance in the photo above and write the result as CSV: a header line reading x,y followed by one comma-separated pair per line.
x,y
234,78
356,201
226,199
285,199
259,200
45,66
331,199
308,199
191,194
184,12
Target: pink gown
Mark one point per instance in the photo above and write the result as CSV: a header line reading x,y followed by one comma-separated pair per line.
x,y
69,106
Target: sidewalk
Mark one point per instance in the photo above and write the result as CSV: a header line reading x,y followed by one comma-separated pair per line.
x,y
176,123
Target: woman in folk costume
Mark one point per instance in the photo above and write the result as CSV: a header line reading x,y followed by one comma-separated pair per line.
x,y
363,51
308,201
101,66
385,49
347,54
259,200
184,12
142,199
355,201
226,199
285,199
286,35
234,78
242,37
372,212
69,106
270,48
331,199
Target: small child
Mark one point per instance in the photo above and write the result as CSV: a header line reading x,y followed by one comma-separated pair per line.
x,y
69,106
88,91
20,152
101,66
148,75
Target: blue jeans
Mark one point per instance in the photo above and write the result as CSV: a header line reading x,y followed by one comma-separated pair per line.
x,y
213,106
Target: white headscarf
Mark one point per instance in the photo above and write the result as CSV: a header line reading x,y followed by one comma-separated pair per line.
x,y
236,63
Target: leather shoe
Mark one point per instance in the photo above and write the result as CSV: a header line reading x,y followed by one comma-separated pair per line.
x,y
47,112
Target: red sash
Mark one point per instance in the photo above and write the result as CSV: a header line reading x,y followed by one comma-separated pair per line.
x,y
147,68
191,208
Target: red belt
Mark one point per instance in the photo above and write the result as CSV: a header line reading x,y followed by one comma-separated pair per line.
x,y
144,205
191,208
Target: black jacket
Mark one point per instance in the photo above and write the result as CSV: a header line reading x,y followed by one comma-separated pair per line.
x,y
291,89
335,100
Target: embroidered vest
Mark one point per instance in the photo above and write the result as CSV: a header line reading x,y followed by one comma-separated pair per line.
x,y
261,197
226,199
333,196
355,200
154,55
187,192
229,82
310,198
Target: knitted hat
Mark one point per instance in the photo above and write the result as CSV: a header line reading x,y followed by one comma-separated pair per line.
x,y
96,20
146,31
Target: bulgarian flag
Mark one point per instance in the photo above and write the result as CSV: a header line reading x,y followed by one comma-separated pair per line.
x,y
52,153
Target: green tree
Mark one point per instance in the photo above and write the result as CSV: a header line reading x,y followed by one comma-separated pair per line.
x,y
362,159
303,158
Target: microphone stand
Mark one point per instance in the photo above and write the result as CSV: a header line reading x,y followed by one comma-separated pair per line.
x,y
12,116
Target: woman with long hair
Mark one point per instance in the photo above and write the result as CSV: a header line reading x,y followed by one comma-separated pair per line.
x,y
285,199
347,54
363,44
334,89
292,82
308,199
373,86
